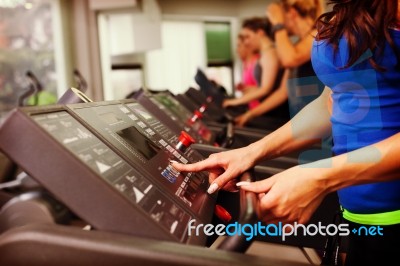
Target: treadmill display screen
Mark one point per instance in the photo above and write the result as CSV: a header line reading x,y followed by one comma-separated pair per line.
x,y
132,136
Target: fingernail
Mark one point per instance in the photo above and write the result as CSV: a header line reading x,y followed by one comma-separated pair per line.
x,y
212,188
172,161
243,183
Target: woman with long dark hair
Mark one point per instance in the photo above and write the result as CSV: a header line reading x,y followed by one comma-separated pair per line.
x,y
356,55
256,33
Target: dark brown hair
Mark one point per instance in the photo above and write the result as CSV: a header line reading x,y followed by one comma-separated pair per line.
x,y
364,23
258,23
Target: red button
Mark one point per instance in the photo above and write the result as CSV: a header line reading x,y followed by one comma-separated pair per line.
x,y
222,214
198,114
202,108
186,139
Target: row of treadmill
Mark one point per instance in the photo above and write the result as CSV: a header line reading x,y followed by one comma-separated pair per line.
x,y
91,182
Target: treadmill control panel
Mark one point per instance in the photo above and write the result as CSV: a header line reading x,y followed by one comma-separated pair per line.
x,y
115,171
127,127
110,163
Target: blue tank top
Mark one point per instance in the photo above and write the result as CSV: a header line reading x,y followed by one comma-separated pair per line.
x,y
366,110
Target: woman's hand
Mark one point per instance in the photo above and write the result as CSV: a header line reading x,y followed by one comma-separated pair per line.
x,y
230,102
275,13
290,196
223,167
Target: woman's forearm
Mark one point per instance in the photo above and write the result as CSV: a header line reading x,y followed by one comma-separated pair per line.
x,y
285,48
274,100
293,55
270,68
251,95
249,89
374,163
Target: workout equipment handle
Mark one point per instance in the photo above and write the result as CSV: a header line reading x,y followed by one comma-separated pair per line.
x,y
229,135
248,215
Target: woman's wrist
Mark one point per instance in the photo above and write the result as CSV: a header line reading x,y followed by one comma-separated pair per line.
x,y
277,28
256,150
229,102
267,147
235,102
249,115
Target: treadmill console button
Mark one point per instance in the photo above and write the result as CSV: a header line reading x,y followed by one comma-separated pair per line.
x,y
222,214
185,140
196,116
202,108
170,173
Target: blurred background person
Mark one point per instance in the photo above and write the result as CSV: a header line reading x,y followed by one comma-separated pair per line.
x,y
275,105
268,72
296,19
248,58
293,30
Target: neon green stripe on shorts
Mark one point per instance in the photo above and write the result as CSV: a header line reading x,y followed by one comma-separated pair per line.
x,y
384,218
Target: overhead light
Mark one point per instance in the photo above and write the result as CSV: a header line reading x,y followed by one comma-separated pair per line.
x,y
28,5
14,3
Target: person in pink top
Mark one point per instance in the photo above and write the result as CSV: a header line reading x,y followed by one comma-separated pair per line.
x,y
268,71
249,60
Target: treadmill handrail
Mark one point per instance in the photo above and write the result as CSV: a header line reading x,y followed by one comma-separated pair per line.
x,y
50,244
229,135
248,215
